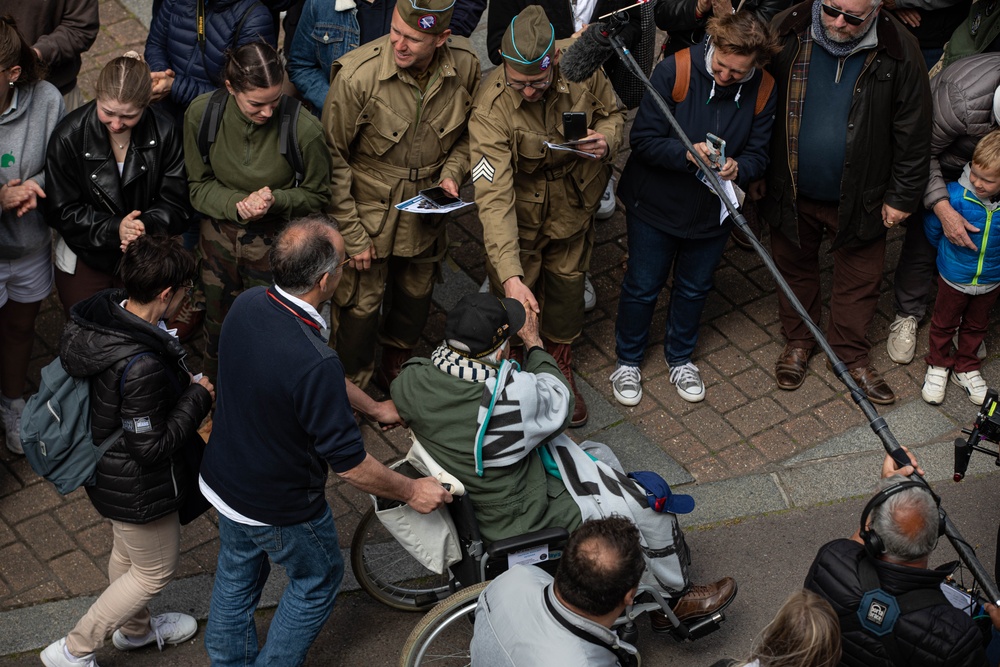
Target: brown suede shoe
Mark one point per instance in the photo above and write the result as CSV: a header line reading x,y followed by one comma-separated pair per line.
x,y
790,368
563,354
699,601
393,359
874,385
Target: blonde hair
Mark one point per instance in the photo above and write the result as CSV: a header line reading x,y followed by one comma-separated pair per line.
x,y
126,80
804,633
987,153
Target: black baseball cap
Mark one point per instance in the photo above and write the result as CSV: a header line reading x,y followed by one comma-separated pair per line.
x,y
482,322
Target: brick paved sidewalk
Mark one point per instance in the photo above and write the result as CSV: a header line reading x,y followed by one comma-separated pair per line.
x,y
53,547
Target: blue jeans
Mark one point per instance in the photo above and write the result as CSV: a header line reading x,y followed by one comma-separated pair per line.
x,y
651,253
310,554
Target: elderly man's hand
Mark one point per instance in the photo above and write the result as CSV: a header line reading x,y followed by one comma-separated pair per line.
x,y
427,495
387,416
529,332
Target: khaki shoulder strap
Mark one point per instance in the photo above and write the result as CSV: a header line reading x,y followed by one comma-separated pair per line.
x,y
763,92
682,79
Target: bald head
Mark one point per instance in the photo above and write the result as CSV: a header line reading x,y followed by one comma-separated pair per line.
x,y
602,563
304,251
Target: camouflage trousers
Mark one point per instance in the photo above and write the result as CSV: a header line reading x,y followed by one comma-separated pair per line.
x,y
554,271
232,258
400,289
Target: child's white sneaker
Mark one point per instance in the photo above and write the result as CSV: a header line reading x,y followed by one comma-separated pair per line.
x,y
973,383
935,383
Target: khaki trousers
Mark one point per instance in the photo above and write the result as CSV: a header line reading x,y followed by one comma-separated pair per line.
x,y
143,561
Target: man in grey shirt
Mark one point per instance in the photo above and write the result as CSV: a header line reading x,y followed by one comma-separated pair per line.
x,y
527,619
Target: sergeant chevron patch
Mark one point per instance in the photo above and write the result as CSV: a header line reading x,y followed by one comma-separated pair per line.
x,y
483,169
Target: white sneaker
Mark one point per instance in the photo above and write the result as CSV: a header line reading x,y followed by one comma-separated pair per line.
x,y
485,287
12,424
974,385
980,351
935,382
606,208
626,382
902,341
688,382
172,628
57,655
589,294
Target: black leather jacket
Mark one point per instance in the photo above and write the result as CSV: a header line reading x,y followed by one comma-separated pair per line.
x,y
937,636
139,478
87,199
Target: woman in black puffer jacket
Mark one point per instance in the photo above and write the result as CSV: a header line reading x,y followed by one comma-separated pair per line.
x,y
159,406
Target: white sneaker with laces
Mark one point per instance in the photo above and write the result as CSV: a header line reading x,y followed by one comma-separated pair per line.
x,y
626,383
935,383
902,340
172,628
57,655
12,424
589,294
688,382
973,383
606,208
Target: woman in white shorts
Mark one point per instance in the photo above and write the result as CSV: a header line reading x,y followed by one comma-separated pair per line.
x,y
29,111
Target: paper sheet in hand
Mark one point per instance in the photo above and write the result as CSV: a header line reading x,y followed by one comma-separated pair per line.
x,y
568,147
421,204
729,189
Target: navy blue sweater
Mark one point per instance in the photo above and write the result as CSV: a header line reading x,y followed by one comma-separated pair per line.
x,y
658,185
282,413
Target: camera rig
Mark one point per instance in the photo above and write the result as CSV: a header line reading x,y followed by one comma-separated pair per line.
x,y
986,428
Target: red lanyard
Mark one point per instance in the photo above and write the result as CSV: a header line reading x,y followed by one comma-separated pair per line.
x,y
289,309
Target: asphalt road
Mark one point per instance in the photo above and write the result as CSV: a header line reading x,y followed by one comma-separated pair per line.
x,y
768,555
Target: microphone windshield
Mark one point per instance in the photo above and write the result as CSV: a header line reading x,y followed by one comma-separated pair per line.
x,y
587,54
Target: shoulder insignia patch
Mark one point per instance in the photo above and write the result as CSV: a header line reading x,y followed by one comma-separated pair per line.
x,y
483,169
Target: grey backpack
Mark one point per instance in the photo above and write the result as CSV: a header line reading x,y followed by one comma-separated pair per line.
x,y
55,428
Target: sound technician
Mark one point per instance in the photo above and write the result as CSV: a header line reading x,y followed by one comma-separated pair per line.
x,y
890,605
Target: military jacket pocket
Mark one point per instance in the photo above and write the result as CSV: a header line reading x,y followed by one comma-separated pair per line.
x,y
373,197
450,122
530,149
380,128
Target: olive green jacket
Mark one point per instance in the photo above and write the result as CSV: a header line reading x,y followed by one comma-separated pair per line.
x,y
442,410
523,188
389,140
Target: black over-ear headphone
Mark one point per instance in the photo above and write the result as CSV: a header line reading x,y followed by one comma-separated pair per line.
x,y
873,543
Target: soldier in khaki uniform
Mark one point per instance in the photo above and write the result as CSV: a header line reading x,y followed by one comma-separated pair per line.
x,y
396,122
537,205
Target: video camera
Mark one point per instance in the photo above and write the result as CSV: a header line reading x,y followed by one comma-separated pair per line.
x,y
986,427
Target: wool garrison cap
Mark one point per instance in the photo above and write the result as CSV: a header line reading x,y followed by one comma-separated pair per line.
x,y
430,16
529,45
481,323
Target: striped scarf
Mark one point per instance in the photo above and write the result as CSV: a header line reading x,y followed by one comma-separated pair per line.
x,y
451,362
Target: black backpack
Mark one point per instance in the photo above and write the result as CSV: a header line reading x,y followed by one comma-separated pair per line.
x,y
288,144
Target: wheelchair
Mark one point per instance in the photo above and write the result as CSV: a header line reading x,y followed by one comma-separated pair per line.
x,y
387,572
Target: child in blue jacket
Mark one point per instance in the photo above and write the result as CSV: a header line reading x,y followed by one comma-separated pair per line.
x,y
968,280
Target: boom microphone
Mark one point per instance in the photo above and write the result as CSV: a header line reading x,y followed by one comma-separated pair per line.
x,y
587,53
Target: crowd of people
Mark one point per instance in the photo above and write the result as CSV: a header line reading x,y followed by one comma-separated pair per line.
x,y
283,178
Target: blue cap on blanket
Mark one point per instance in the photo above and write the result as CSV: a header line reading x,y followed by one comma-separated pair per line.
x,y
658,493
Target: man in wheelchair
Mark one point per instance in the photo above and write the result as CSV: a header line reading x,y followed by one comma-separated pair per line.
x,y
499,430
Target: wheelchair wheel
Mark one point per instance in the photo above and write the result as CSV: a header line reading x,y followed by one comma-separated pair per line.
x,y
443,636
391,575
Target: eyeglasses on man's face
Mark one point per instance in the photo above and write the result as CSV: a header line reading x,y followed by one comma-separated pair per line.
x,y
852,19
521,85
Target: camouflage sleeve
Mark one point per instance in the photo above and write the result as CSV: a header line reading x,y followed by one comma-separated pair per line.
x,y
491,151
340,114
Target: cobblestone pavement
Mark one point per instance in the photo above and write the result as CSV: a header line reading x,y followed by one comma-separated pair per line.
x,y
54,547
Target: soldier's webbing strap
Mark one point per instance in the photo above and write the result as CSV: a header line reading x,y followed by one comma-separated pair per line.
x,y
396,172
879,611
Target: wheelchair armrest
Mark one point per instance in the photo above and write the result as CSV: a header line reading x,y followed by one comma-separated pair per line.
x,y
527,540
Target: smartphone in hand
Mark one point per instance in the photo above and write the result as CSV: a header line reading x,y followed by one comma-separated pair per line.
x,y
574,125
716,150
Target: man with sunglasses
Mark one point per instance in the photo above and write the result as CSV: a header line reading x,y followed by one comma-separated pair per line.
x,y
395,119
537,204
849,161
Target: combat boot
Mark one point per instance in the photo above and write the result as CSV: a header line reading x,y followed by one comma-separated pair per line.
x,y
563,354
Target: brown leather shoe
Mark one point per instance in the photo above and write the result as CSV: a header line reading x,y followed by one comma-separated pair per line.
x,y
874,385
790,368
393,359
699,601
563,354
